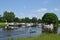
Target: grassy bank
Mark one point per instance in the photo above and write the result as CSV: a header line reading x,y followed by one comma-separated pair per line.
x,y
2,25
41,37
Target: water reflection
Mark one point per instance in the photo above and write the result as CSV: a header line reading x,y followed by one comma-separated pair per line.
x,y
21,32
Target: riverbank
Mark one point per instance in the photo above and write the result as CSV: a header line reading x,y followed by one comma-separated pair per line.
x,y
2,25
44,36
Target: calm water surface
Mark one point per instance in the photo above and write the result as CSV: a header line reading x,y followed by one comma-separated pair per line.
x,y
21,32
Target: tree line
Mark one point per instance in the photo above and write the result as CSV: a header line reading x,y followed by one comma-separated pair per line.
x,y
10,17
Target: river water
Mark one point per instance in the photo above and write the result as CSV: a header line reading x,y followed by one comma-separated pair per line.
x,y
21,32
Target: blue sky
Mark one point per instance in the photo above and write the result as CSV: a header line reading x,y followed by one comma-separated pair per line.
x,y
30,8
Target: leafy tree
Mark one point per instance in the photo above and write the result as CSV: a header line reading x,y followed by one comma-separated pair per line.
x,y
50,18
34,20
22,20
16,19
27,20
2,19
9,16
39,21
59,21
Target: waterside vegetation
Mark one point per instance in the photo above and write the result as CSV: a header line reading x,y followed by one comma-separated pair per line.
x,y
44,36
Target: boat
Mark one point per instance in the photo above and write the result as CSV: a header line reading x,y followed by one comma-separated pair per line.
x,y
32,30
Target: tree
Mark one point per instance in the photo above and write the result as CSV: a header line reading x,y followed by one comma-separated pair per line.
x,y
22,20
9,16
27,20
34,20
50,18
2,19
59,21
39,21
16,19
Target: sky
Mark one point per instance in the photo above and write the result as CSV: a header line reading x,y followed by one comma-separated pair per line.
x,y
30,8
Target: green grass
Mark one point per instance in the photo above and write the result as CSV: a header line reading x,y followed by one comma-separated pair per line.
x,y
2,25
44,36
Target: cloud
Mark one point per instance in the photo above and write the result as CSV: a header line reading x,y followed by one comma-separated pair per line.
x,y
42,10
56,9
21,15
44,2
38,12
